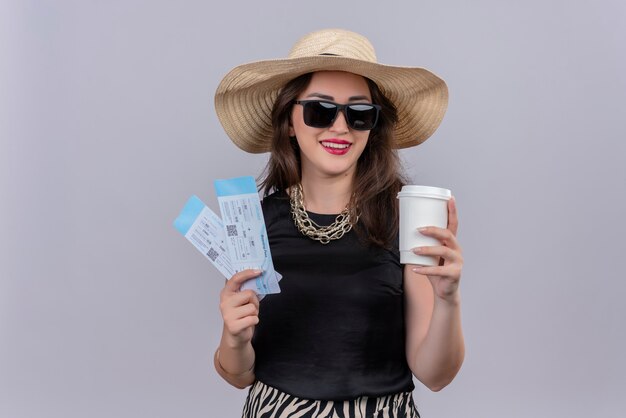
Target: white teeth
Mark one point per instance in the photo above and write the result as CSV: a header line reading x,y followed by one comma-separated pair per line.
x,y
335,145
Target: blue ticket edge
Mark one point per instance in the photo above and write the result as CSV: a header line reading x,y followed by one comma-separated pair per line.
x,y
188,215
235,186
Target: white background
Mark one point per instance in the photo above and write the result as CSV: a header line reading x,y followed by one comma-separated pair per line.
x,y
107,126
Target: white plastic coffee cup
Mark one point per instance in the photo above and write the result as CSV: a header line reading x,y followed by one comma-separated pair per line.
x,y
421,206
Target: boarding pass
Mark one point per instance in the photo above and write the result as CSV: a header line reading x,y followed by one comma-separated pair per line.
x,y
206,231
245,233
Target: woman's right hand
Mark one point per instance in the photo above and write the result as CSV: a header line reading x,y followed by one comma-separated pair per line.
x,y
240,309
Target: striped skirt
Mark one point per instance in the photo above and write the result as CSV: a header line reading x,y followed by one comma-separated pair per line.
x,y
267,402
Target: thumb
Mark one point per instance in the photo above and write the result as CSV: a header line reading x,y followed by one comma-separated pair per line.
x,y
235,282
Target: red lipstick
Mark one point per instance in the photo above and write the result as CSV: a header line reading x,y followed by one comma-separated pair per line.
x,y
336,146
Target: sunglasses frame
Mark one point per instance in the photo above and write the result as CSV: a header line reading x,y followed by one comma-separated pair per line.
x,y
340,108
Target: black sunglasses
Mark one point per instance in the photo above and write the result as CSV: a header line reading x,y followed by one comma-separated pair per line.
x,y
322,114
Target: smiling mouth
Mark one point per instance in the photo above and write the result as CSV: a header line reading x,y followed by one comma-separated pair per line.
x,y
335,145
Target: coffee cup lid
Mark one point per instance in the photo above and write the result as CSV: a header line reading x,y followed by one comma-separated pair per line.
x,y
425,191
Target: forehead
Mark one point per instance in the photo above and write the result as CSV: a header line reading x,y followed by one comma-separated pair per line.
x,y
338,84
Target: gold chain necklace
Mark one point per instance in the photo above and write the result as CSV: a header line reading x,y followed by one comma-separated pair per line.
x,y
324,234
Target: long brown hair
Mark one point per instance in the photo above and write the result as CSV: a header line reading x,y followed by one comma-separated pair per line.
x,y
378,177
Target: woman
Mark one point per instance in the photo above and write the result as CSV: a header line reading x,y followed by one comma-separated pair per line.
x,y
351,325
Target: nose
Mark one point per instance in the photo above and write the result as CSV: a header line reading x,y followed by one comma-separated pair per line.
x,y
340,124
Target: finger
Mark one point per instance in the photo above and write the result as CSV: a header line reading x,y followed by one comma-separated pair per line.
x,y
445,236
240,298
235,282
232,315
241,325
449,271
453,216
254,299
447,253
241,312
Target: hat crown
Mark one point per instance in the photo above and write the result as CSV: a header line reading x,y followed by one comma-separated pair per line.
x,y
337,42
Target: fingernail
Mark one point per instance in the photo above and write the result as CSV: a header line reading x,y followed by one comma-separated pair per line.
x,y
258,271
417,269
423,229
417,250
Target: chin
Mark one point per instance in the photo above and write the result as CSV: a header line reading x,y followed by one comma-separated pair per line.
x,y
337,171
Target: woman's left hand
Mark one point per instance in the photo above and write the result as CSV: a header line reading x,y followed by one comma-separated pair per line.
x,y
446,276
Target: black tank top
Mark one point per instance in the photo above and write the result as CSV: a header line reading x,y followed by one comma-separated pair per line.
x,y
336,330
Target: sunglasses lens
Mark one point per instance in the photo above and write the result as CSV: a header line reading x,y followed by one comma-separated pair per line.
x,y
362,117
319,114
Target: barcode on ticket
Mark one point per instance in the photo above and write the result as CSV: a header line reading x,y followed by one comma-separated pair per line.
x,y
212,254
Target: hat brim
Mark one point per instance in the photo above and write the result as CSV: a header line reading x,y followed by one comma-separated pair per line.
x,y
246,95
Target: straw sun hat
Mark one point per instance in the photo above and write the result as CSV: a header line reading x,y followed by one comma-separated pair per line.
x,y
244,98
